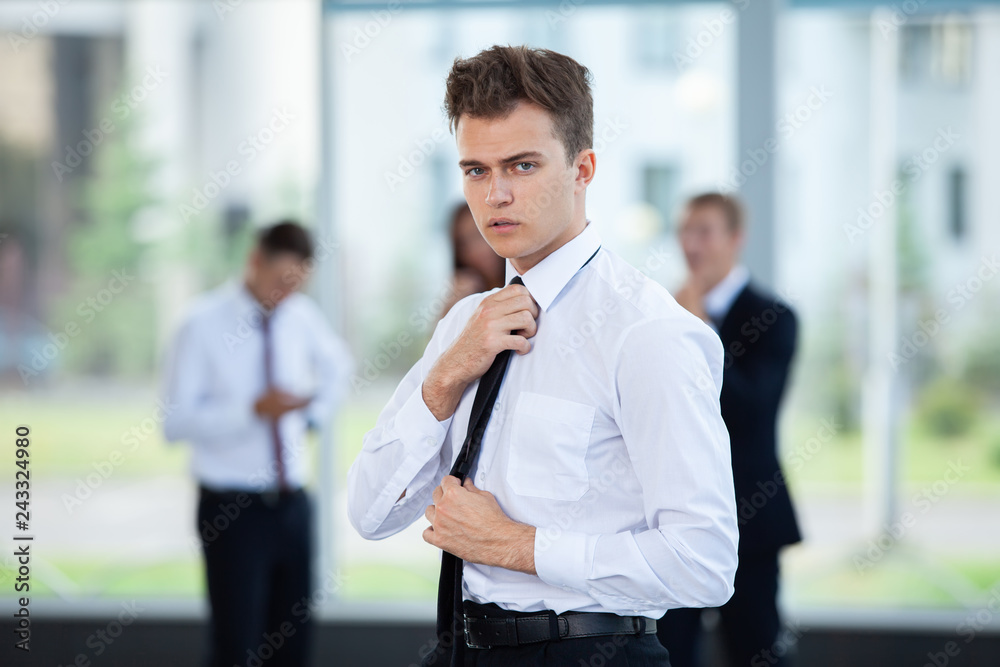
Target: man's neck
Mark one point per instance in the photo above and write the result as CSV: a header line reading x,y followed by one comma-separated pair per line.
x,y
248,286
718,280
523,264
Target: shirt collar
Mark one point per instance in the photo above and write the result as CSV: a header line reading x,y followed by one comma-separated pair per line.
x,y
720,298
246,301
547,279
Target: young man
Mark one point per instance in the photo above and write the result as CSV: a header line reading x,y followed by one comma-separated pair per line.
x,y
253,365
602,493
758,332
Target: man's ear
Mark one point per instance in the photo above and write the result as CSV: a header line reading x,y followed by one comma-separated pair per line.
x,y
255,260
740,239
586,166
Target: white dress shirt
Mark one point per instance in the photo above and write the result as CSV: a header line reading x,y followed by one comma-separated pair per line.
x,y
606,436
214,373
719,299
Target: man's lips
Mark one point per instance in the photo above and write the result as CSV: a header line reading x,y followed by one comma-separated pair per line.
x,y
502,224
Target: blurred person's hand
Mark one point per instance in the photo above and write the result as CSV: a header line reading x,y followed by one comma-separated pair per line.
x,y
504,320
276,402
691,296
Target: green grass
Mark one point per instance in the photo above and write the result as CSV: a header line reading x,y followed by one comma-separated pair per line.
x,y
903,577
923,457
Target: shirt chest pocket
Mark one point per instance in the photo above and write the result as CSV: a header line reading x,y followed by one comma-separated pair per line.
x,y
548,449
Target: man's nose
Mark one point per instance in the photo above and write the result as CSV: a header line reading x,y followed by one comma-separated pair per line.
x,y
500,193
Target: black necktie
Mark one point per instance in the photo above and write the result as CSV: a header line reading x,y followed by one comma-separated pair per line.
x,y
450,649
450,619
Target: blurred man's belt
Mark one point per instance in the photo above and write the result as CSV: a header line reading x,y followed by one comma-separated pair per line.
x,y
269,497
517,629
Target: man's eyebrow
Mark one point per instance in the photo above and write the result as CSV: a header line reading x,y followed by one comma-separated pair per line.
x,y
507,160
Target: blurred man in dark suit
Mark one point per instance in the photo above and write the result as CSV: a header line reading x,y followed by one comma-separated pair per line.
x,y
758,332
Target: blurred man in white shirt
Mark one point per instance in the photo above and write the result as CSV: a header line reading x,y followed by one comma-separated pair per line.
x,y
253,367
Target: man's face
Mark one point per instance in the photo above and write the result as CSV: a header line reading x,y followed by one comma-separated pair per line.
x,y
711,247
272,278
522,193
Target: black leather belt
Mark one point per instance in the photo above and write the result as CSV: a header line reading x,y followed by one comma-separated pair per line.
x,y
491,631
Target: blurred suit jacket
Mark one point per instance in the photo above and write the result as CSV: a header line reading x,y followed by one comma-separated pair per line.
x,y
759,334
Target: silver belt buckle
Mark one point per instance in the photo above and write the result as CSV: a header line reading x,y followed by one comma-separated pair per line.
x,y
468,637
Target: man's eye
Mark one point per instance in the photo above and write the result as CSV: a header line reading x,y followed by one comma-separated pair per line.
x,y
473,171
527,166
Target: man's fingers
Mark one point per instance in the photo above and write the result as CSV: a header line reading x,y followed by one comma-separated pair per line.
x,y
519,344
529,330
429,513
510,292
517,321
513,303
449,480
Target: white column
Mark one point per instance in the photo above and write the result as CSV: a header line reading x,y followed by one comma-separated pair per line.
x,y
755,123
879,406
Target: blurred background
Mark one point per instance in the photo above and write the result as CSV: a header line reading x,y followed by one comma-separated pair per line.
x,y
142,143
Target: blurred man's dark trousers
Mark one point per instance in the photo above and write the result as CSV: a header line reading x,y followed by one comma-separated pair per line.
x,y
749,621
257,550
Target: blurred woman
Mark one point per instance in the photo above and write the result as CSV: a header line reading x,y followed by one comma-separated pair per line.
x,y
477,267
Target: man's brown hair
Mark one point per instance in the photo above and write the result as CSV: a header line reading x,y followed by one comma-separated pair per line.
x,y
730,206
491,84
